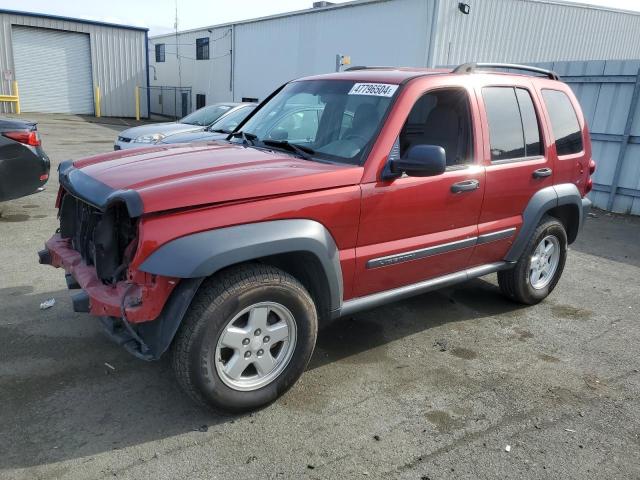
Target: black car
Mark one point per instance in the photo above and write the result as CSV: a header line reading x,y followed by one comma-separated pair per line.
x,y
24,167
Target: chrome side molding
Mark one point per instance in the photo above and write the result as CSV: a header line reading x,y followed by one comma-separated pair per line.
x,y
370,301
442,248
494,236
421,253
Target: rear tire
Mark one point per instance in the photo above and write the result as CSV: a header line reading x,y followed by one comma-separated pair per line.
x,y
540,266
246,338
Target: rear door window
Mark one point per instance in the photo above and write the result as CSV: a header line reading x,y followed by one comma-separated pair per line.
x,y
564,122
532,143
513,124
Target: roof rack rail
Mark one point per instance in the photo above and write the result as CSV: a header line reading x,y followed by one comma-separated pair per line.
x,y
364,67
472,67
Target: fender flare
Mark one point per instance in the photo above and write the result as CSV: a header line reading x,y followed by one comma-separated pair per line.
x,y
202,254
541,202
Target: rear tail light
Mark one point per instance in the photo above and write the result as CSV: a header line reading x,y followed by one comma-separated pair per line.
x,y
592,166
44,176
589,186
28,138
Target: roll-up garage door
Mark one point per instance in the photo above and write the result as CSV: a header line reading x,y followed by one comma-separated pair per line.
x,y
53,70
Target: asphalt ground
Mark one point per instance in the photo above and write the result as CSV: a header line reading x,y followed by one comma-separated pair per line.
x,y
435,387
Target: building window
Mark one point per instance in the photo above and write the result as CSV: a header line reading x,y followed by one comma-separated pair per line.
x,y
160,52
564,122
202,48
201,100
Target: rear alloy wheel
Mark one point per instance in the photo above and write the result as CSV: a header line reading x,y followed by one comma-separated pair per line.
x,y
539,268
544,262
246,338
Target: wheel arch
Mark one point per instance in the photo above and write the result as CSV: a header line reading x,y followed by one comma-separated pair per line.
x,y
304,248
563,202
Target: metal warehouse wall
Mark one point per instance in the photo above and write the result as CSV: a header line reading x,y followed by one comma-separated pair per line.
x,y
272,51
533,31
609,93
118,58
210,77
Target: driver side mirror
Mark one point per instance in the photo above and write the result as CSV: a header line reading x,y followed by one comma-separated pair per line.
x,y
421,161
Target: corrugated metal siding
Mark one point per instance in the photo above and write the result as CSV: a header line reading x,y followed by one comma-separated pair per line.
x,y
533,31
118,59
271,52
605,91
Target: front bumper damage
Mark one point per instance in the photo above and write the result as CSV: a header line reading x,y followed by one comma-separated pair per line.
x,y
134,311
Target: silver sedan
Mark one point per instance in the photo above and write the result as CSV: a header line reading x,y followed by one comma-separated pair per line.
x,y
146,135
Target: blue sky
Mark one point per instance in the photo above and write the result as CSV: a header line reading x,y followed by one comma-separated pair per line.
x,y
159,15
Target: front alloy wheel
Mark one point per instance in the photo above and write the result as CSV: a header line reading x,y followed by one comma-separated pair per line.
x,y
255,346
246,338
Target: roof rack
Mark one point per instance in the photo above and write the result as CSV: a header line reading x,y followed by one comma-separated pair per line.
x,y
364,67
472,67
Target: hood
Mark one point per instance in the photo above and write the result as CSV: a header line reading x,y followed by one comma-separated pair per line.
x,y
179,176
167,128
200,136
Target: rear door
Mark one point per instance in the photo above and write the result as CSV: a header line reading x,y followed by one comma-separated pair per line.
x,y
517,162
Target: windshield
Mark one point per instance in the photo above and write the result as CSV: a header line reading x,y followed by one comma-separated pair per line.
x,y
230,121
206,115
336,120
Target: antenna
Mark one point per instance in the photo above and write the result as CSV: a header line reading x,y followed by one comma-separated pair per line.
x,y
175,26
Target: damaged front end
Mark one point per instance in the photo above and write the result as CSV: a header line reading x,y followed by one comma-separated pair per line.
x,y
96,245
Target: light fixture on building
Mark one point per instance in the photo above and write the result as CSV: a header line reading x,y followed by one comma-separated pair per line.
x,y
464,8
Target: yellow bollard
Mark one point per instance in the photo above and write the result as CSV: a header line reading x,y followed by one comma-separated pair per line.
x,y
98,100
137,102
16,93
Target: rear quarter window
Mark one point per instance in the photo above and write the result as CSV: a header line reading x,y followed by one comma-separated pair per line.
x,y
564,122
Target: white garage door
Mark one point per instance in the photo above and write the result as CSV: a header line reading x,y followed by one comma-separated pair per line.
x,y
53,70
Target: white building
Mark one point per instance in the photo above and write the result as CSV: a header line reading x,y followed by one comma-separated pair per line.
x,y
58,62
249,59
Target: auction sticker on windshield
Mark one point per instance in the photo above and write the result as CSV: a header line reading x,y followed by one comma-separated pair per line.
x,y
374,89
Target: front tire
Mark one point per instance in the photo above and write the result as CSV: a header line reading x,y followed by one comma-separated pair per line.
x,y
540,266
246,339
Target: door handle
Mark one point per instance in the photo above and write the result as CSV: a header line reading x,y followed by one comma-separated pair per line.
x,y
542,172
465,186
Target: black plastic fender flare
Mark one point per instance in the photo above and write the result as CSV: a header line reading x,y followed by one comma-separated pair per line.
x,y
541,202
203,254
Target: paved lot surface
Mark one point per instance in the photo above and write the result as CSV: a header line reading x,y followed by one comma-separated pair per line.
x,y
435,387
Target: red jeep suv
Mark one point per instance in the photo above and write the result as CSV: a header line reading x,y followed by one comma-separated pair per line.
x,y
340,192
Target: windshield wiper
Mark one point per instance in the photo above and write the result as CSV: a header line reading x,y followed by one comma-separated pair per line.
x,y
302,151
220,130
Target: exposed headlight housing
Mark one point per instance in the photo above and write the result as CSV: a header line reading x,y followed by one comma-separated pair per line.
x,y
156,137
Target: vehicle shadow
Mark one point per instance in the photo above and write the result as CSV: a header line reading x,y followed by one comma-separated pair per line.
x,y
67,392
367,330
611,236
